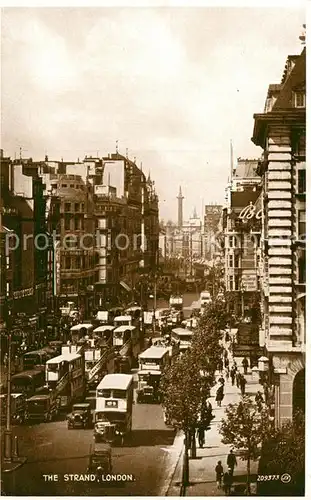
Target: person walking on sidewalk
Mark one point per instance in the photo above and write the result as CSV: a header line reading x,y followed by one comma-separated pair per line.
x,y
201,435
220,395
232,375
231,462
259,400
238,378
220,365
227,481
227,373
242,384
219,473
221,380
245,364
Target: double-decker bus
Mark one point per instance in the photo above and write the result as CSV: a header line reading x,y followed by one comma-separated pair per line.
x,y
79,331
114,407
151,365
122,320
38,358
65,375
183,337
126,341
104,333
27,382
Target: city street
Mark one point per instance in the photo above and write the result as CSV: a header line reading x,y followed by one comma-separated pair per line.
x,y
53,449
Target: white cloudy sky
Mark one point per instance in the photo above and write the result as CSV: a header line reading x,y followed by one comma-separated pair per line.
x,y
173,85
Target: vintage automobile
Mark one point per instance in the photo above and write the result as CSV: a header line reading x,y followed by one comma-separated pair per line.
x,y
100,460
108,432
80,416
104,431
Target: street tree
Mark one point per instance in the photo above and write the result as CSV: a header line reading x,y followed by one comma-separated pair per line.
x,y
244,428
283,453
181,389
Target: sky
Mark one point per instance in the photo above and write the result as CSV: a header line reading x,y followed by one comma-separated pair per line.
x,y
172,85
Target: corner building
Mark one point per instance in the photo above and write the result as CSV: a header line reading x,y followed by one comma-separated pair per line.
x,y
281,132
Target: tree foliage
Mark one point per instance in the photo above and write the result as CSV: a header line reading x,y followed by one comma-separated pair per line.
x,y
244,426
181,389
284,452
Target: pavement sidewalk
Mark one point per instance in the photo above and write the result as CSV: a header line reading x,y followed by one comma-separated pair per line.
x,y
202,469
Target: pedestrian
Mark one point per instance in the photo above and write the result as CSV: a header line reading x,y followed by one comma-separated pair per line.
x,y
219,395
221,380
227,482
220,365
227,373
242,384
219,473
245,364
201,435
232,375
231,462
259,400
226,362
238,377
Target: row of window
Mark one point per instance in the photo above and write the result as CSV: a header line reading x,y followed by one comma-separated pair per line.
x,y
75,223
73,207
81,262
66,185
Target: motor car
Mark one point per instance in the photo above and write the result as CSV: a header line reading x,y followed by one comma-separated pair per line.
x,y
80,416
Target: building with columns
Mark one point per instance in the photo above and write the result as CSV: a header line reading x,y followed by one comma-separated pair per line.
x,y
281,132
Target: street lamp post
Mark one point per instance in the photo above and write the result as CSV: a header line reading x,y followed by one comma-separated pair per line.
x,y
242,299
8,430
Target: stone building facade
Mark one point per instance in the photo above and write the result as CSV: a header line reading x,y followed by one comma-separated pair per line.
x,y
281,132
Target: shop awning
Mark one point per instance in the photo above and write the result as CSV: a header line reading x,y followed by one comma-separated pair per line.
x,y
125,286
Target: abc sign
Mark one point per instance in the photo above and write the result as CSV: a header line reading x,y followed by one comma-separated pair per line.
x,y
250,212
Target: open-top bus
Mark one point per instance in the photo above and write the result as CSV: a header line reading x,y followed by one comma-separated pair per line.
x,y
151,365
114,407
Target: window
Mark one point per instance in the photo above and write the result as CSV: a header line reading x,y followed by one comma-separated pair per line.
x,y
77,223
82,207
301,181
231,241
231,258
301,224
67,262
236,261
67,207
72,185
231,284
119,394
103,393
302,269
67,223
300,99
64,185
236,283
77,207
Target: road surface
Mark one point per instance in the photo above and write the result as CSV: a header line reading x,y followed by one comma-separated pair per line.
x,y
53,449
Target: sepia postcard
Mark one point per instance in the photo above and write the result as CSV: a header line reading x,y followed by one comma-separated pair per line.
x,y
153,249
